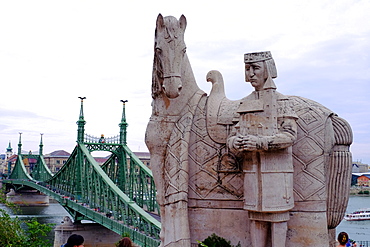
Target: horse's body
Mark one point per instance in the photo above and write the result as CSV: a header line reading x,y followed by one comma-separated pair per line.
x,y
168,106
200,184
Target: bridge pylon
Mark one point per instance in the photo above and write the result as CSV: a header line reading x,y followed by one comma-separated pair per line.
x,y
38,171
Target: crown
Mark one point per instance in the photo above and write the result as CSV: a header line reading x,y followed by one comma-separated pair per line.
x,y
257,56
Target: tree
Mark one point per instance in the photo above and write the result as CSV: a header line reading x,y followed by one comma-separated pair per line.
x,y
13,235
36,233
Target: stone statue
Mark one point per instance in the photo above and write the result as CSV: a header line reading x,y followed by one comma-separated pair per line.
x,y
67,221
175,96
215,161
263,138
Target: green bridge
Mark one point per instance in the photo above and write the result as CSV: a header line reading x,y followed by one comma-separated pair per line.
x,y
122,187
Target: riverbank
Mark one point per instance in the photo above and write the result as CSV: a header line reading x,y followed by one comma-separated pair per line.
x,y
359,190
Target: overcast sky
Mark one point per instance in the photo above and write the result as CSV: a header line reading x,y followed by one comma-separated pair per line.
x,y
52,52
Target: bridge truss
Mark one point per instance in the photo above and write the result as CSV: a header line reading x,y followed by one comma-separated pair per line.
x,y
119,194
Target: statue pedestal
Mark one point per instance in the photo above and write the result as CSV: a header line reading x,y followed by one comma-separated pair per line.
x,y
231,224
93,233
307,229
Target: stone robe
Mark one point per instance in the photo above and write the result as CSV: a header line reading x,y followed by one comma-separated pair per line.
x,y
268,170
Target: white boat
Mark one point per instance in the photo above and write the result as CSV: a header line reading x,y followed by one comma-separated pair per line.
x,y
362,214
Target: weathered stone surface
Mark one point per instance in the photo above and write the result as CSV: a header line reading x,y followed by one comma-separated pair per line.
x,y
94,234
226,222
265,170
307,228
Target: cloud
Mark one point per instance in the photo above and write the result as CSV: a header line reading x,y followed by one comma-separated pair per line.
x,y
51,53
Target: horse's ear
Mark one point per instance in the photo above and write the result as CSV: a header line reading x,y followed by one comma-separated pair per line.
x,y
183,22
160,22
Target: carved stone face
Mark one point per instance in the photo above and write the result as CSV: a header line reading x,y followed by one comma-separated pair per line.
x,y
170,50
256,74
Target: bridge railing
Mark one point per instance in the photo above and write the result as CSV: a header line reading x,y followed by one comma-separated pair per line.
x,y
116,199
142,187
73,206
363,243
133,177
84,180
94,139
116,226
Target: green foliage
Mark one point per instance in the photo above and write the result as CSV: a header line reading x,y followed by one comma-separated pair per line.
x,y
215,241
37,233
201,244
13,235
364,192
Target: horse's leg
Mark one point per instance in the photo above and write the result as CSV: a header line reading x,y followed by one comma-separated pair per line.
x,y
174,216
177,233
156,163
156,145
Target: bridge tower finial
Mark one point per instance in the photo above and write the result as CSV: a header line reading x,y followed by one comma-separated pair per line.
x,y
20,144
81,123
41,145
123,125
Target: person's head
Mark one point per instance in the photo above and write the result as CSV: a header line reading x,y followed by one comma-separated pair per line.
x,y
342,238
258,67
125,242
75,241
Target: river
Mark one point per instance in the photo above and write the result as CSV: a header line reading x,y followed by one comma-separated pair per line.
x,y
357,230
54,213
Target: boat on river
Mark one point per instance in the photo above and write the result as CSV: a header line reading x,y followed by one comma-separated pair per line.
x,y
362,214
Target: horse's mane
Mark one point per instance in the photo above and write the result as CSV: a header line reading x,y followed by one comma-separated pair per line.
x,y
157,76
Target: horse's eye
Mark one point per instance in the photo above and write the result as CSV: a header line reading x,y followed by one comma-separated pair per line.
x,y
158,50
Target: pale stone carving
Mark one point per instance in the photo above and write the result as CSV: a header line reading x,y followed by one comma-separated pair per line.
x,y
67,221
199,169
263,138
168,130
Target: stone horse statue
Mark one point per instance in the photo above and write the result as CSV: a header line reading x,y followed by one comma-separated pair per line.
x,y
200,183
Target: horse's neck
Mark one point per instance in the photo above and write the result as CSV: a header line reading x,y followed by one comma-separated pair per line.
x,y
163,106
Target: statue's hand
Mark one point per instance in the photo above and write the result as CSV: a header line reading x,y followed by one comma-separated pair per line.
x,y
237,143
249,143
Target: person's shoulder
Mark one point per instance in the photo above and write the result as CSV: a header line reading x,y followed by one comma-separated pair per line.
x,y
281,96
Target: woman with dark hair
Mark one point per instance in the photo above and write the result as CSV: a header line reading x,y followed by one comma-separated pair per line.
x,y
125,242
342,239
74,241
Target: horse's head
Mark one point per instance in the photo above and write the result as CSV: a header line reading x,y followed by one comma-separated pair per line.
x,y
170,49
